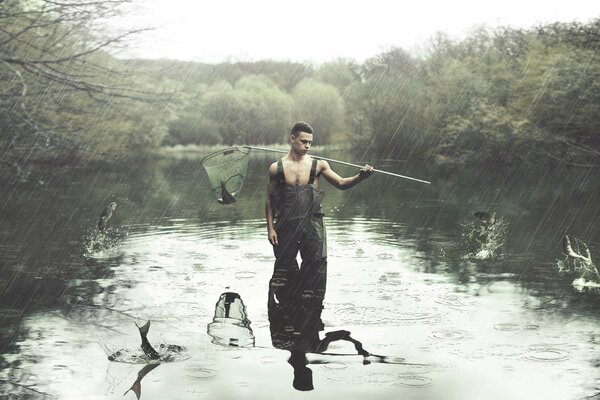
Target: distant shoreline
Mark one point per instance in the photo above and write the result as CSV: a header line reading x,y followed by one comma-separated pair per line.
x,y
198,151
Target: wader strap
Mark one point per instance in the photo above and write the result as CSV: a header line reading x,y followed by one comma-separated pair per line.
x,y
313,171
280,173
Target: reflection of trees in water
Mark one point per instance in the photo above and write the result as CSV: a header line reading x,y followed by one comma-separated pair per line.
x,y
559,299
28,292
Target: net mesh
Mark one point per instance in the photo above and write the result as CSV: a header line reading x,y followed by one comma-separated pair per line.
x,y
226,170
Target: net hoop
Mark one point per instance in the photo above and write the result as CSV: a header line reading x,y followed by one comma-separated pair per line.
x,y
226,170
224,152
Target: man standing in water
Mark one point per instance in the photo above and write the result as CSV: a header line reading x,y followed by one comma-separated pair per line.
x,y
295,219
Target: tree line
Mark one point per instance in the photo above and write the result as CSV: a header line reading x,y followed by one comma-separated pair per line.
x,y
498,94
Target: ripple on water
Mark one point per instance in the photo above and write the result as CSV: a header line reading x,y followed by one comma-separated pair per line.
x,y
201,373
594,339
553,340
448,334
245,275
507,350
547,354
531,327
507,327
456,302
415,369
414,316
471,353
335,365
359,253
414,381
167,353
252,256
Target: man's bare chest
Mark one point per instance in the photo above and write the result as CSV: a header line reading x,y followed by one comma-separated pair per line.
x,y
296,173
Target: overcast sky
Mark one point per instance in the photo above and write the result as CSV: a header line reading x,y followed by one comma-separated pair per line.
x,y
322,30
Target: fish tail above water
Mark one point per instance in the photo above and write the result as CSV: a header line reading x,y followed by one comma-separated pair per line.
x,y
568,250
144,328
146,346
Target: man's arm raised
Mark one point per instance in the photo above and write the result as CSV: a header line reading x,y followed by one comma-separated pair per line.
x,y
344,183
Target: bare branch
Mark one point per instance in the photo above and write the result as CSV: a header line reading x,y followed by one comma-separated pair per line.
x,y
71,57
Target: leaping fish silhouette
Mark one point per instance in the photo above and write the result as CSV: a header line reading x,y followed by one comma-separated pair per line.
x,y
568,250
105,216
146,346
487,220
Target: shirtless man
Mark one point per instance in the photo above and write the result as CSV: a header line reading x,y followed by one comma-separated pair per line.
x,y
295,219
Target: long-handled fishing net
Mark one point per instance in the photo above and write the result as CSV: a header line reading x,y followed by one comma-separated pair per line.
x,y
226,170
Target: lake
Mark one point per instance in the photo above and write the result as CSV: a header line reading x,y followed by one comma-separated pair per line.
x,y
457,314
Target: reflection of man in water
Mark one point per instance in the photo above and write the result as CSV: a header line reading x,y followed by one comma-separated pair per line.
x,y
295,219
295,326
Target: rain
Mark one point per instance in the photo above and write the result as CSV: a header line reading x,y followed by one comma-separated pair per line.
x,y
166,234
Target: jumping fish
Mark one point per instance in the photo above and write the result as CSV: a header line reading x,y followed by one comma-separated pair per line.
x,y
487,219
568,250
146,346
226,197
105,216
137,385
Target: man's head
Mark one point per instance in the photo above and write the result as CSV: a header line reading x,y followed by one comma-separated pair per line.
x,y
301,127
302,137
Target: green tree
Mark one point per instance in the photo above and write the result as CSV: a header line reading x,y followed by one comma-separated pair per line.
x,y
340,73
389,108
60,79
560,92
269,109
255,110
321,105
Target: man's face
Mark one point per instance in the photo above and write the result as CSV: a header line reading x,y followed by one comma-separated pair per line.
x,y
302,142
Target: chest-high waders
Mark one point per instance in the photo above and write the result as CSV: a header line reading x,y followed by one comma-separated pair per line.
x,y
298,221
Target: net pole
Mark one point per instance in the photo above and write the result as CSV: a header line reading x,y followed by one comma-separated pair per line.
x,y
343,163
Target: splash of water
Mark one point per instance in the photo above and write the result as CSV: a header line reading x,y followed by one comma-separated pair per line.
x,y
103,245
167,353
584,272
475,245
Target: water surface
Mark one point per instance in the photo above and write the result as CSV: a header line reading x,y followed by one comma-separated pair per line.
x,y
403,278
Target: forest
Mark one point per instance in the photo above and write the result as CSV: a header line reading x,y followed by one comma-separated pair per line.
x,y
500,94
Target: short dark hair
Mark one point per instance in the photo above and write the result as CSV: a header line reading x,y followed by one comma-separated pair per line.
x,y
302,127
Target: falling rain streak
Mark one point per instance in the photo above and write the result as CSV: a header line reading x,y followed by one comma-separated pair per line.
x,y
130,266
